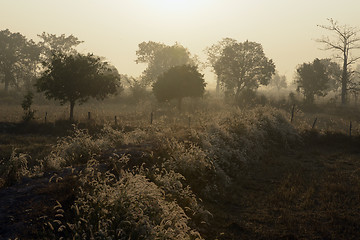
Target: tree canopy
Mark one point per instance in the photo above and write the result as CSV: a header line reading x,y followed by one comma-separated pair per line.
x,y
315,79
160,57
62,44
18,59
242,66
74,78
179,82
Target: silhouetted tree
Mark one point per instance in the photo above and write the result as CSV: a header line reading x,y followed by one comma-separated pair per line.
x,y
345,41
75,78
333,70
243,66
18,58
179,82
313,79
160,57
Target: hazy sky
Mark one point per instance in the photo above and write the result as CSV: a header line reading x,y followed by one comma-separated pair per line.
x,y
287,29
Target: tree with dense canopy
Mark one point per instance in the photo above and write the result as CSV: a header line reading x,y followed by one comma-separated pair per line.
x,y
18,59
160,57
243,66
346,40
315,78
179,82
75,78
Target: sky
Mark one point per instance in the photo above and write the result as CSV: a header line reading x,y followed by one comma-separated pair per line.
x,y
287,29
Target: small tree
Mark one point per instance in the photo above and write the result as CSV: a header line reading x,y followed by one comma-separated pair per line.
x,y
75,78
26,106
312,79
179,82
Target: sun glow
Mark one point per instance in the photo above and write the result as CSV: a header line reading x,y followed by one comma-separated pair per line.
x,y
176,6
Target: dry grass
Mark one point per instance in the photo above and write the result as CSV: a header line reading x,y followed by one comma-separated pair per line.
x,y
249,168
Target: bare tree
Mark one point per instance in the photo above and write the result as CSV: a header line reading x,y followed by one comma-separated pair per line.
x,y
344,41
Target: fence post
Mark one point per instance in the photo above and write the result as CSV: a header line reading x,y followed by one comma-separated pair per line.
x,y
115,121
151,118
350,129
45,117
89,116
313,126
292,113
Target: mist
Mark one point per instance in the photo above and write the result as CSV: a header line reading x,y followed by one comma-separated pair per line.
x,y
179,120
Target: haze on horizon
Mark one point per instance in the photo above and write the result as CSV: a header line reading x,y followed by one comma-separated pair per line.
x,y
286,29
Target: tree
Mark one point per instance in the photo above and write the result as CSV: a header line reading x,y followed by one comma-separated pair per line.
x,y
75,78
62,44
160,57
18,58
243,66
179,82
214,53
346,40
313,79
26,106
333,70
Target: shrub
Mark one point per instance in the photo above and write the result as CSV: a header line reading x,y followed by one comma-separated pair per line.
x,y
13,170
132,206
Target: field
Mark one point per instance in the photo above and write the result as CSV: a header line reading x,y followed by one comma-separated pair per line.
x,y
213,171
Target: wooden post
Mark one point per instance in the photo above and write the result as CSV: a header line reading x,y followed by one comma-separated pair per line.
x,y
151,118
292,113
313,126
350,129
89,116
45,117
115,121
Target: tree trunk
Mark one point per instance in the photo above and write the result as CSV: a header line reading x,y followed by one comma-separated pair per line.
x,y
237,94
344,80
72,104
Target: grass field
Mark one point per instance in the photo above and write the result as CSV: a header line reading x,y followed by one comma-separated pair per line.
x,y
211,172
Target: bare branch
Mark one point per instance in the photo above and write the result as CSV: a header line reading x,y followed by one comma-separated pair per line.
x,y
351,61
